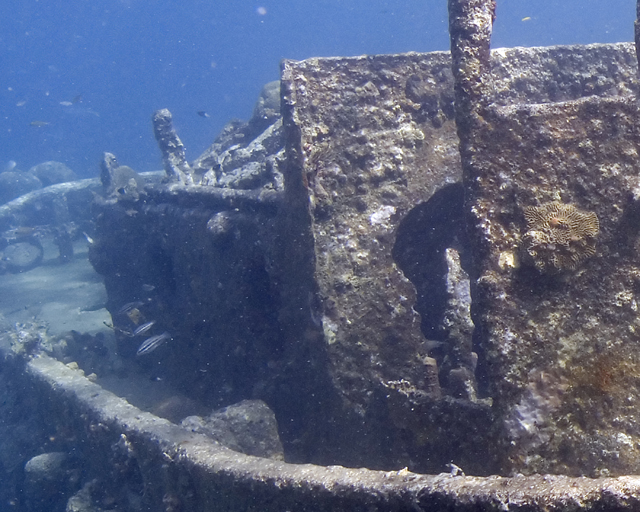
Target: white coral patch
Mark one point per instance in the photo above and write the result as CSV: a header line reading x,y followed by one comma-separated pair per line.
x,y
507,259
330,330
382,215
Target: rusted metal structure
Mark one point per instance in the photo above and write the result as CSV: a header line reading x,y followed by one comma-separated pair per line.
x,y
329,278
557,344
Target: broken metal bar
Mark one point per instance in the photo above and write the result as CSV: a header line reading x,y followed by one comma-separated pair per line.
x,y
173,156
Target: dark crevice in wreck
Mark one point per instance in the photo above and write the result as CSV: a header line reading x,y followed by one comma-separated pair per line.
x,y
431,248
422,238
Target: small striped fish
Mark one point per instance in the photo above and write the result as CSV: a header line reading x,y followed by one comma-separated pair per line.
x,y
150,344
144,328
129,306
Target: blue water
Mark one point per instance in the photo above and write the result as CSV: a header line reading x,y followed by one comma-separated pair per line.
x,y
127,58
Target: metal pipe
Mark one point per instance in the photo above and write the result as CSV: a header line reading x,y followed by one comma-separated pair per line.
x,y
636,26
470,26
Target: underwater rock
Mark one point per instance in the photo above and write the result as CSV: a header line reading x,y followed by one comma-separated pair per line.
x,y
15,184
267,109
228,224
119,181
50,173
48,466
248,427
49,479
176,408
82,501
22,256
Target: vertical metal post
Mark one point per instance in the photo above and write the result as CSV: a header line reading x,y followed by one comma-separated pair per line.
x,y
470,24
636,26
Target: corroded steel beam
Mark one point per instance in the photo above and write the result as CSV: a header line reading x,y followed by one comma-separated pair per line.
x,y
636,27
194,473
470,26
